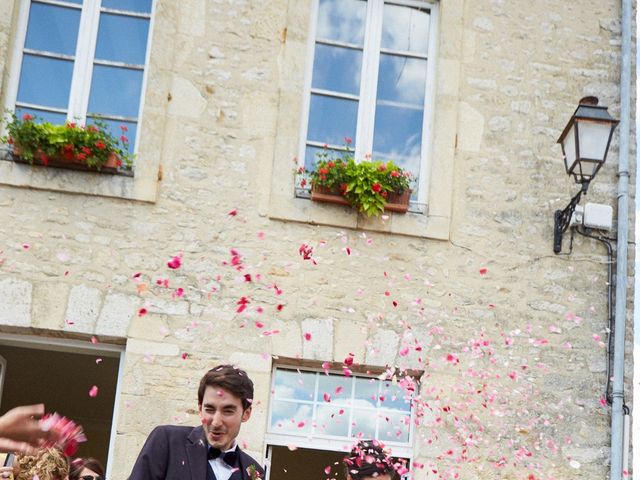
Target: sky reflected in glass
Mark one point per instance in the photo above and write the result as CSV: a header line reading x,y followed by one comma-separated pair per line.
x,y
342,21
393,426
398,135
122,39
293,385
115,91
330,420
364,424
140,6
332,119
405,29
45,81
338,387
291,417
53,29
402,79
337,69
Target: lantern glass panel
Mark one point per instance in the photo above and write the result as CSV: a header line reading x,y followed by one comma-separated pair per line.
x,y
569,147
593,138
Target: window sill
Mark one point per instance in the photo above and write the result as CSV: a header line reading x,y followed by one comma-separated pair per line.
x,y
142,186
414,224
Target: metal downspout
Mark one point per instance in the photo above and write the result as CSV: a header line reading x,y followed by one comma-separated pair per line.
x,y
617,415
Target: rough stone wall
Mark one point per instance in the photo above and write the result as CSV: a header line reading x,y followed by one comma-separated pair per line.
x,y
68,260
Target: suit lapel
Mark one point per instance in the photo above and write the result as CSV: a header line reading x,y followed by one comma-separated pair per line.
x,y
196,447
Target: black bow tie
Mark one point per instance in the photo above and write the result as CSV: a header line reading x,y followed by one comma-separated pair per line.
x,y
227,457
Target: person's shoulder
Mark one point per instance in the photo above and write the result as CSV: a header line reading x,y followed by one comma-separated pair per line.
x,y
172,430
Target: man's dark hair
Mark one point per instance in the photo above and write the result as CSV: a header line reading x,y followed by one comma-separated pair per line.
x,y
368,459
230,378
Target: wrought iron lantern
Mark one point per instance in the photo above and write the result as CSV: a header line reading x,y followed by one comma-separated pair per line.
x,y
585,142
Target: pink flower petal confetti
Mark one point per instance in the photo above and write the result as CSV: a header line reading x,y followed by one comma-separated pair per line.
x,y
175,262
93,391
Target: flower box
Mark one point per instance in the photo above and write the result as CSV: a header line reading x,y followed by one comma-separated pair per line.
x,y
73,163
396,202
327,195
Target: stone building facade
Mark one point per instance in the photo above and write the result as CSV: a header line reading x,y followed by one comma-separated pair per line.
x,y
506,337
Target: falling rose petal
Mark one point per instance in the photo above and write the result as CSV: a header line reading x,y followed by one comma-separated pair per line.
x,y
348,361
347,250
261,235
325,367
483,271
175,262
596,337
279,307
327,397
307,336
259,324
327,470
179,292
404,352
98,361
247,277
451,358
233,212
26,246
142,312
93,392
184,355
301,424
94,339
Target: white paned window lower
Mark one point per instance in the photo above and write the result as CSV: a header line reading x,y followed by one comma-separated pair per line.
x,y
82,60
370,83
310,408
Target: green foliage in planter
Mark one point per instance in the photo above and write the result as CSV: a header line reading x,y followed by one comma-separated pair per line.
x,y
91,144
365,185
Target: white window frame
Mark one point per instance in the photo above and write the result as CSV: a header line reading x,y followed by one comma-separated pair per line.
x,y
327,442
369,84
78,346
3,374
83,60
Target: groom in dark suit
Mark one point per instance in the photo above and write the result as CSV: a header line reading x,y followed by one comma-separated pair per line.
x,y
210,451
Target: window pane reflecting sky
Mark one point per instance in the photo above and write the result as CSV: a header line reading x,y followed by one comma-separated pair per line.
x,y
405,28
332,119
45,81
122,39
52,28
402,79
42,115
141,6
398,133
115,91
342,20
337,69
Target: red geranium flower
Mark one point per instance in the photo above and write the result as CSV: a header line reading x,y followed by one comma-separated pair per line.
x,y
92,129
100,145
124,139
376,187
27,117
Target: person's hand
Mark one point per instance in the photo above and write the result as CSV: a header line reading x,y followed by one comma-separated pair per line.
x,y
21,425
6,472
11,446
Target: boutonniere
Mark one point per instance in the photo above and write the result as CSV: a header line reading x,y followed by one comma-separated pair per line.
x,y
253,473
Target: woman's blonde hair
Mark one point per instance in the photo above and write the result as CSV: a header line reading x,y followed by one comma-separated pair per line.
x,y
47,464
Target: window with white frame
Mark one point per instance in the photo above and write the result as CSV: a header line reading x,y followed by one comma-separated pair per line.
x,y
369,83
82,60
319,409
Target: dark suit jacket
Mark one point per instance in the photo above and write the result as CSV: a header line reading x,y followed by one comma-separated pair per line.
x,y
180,453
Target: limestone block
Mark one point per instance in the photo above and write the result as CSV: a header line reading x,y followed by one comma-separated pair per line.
x,y
321,345
348,339
471,126
16,302
383,348
186,99
49,304
144,347
289,342
251,362
168,307
116,314
82,309
192,18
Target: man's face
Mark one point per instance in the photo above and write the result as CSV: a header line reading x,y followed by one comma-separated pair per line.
x,y
221,415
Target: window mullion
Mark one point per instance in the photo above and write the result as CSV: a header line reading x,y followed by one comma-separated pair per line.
x,y
83,67
429,108
369,82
